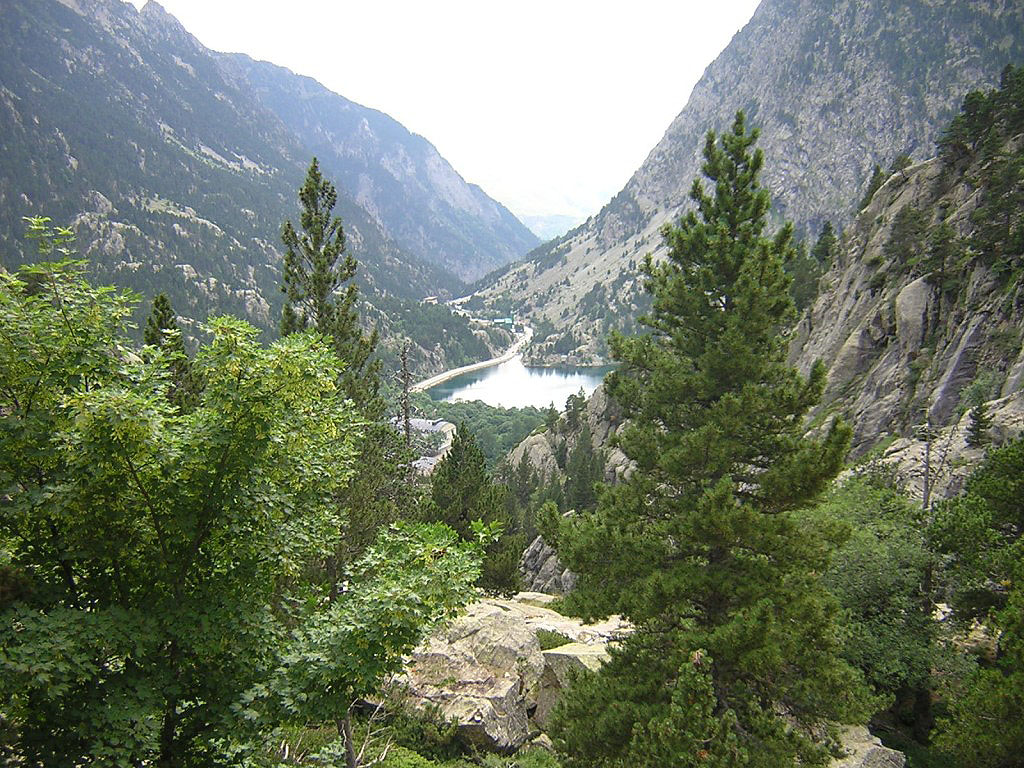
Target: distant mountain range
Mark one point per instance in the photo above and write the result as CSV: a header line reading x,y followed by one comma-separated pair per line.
x,y
178,165
834,86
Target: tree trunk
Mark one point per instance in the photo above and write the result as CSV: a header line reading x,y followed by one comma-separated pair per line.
x,y
345,731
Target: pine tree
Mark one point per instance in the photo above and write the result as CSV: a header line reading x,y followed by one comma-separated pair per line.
x,y
878,177
978,424
700,548
320,290
463,492
824,249
162,331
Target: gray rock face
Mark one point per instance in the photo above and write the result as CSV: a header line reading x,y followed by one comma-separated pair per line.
x,y
898,352
866,751
538,452
950,460
486,669
834,88
543,572
481,671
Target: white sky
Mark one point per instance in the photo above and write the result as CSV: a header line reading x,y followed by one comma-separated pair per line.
x,y
549,105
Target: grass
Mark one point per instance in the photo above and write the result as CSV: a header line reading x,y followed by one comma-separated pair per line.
x,y
549,639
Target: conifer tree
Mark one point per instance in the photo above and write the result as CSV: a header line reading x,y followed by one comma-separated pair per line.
x,y
878,177
736,657
162,331
320,293
320,290
824,249
463,492
978,424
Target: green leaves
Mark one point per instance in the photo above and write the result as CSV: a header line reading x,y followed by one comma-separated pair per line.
x,y
412,578
152,547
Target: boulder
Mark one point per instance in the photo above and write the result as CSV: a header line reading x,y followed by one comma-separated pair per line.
x,y
536,449
865,751
484,669
543,572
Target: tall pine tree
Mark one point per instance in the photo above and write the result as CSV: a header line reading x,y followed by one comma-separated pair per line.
x,y
463,492
735,658
320,289
321,294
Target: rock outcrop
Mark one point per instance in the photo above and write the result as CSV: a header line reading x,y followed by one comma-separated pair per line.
x,y
902,344
603,417
948,461
866,751
486,669
543,572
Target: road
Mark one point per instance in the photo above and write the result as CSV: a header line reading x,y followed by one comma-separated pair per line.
x,y
507,355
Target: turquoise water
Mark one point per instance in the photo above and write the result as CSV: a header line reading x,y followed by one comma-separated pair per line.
x,y
515,385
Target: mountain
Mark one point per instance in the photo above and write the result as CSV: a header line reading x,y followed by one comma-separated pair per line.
x,y
834,87
396,176
921,315
177,175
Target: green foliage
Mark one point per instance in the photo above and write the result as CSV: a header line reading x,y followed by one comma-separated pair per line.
x,y
401,757
981,133
584,469
413,577
534,757
496,430
978,424
652,705
162,332
824,250
700,547
155,607
549,639
320,293
880,577
426,326
462,492
907,238
982,531
878,177
151,542
805,271
428,733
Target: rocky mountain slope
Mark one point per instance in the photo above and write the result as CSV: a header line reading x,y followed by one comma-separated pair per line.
x,y
177,175
835,88
923,310
921,315
396,176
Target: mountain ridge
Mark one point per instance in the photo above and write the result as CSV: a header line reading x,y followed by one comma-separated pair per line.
x,y
174,174
873,81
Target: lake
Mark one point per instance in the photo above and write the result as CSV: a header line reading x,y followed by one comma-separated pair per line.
x,y
514,385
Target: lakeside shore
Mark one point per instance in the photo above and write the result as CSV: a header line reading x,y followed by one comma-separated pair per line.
x,y
508,354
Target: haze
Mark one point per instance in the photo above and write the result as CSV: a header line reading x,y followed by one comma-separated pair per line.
x,y
549,106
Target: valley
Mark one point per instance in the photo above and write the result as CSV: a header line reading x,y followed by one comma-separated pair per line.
x,y
312,454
